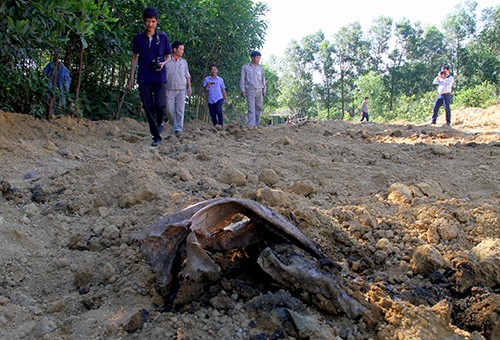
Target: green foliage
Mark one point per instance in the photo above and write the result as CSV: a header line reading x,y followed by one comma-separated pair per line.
x,y
482,95
371,85
323,77
214,31
411,108
272,85
296,83
395,67
23,91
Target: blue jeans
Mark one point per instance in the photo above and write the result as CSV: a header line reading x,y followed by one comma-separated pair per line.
x,y
216,112
154,100
440,101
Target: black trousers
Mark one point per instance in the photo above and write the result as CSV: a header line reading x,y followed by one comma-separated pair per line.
x,y
154,100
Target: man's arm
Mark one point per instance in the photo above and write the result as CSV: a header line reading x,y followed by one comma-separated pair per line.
x,y
224,94
448,80
189,91
264,90
242,81
163,63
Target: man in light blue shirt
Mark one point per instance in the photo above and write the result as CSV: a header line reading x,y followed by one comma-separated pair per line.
x,y
216,94
444,80
253,87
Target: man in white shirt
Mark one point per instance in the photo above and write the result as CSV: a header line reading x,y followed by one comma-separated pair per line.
x,y
253,87
444,80
178,85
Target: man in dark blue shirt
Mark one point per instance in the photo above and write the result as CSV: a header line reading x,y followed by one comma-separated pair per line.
x,y
151,51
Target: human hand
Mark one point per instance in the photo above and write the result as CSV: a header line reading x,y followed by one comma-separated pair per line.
x,y
162,64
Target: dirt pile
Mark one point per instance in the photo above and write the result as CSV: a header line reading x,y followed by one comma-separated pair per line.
x,y
410,213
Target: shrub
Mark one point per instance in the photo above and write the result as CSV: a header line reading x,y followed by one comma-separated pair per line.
x,y
482,96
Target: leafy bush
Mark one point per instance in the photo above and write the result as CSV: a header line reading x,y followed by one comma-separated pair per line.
x,y
411,108
23,90
482,96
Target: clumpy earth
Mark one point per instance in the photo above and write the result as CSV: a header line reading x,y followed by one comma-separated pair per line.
x,y
408,213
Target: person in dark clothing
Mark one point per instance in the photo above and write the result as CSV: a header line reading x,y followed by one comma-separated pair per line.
x,y
63,81
151,51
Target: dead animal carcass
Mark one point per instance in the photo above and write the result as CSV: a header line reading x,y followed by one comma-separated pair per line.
x,y
244,244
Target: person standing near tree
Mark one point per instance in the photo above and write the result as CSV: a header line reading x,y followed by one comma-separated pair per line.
x,y
253,87
216,95
444,80
63,81
178,84
364,110
151,51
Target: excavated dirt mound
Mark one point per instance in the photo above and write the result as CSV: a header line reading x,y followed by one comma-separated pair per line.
x,y
409,212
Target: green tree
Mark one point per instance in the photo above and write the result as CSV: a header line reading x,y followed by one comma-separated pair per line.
x,y
84,18
380,34
405,35
214,31
372,85
318,60
483,62
296,82
29,29
222,32
460,27
351,52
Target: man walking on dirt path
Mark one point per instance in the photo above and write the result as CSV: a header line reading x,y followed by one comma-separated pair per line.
x,y
253,87
178,85
444,80
151,51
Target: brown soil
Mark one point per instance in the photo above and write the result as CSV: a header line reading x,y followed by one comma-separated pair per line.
x,y
408,210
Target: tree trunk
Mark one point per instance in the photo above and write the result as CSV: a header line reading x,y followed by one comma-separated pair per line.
x,y
328,102
121,84
50,105
120,104
80,70
391,92
342,96
112,82
199,100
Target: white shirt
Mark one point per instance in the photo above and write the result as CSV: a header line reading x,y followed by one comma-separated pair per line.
x,y
252,77
444,84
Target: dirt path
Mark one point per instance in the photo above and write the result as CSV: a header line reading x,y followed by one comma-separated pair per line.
x,y
412,211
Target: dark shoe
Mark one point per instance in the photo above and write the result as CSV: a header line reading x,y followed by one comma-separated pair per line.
x,y
447,124
155,143
433,122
